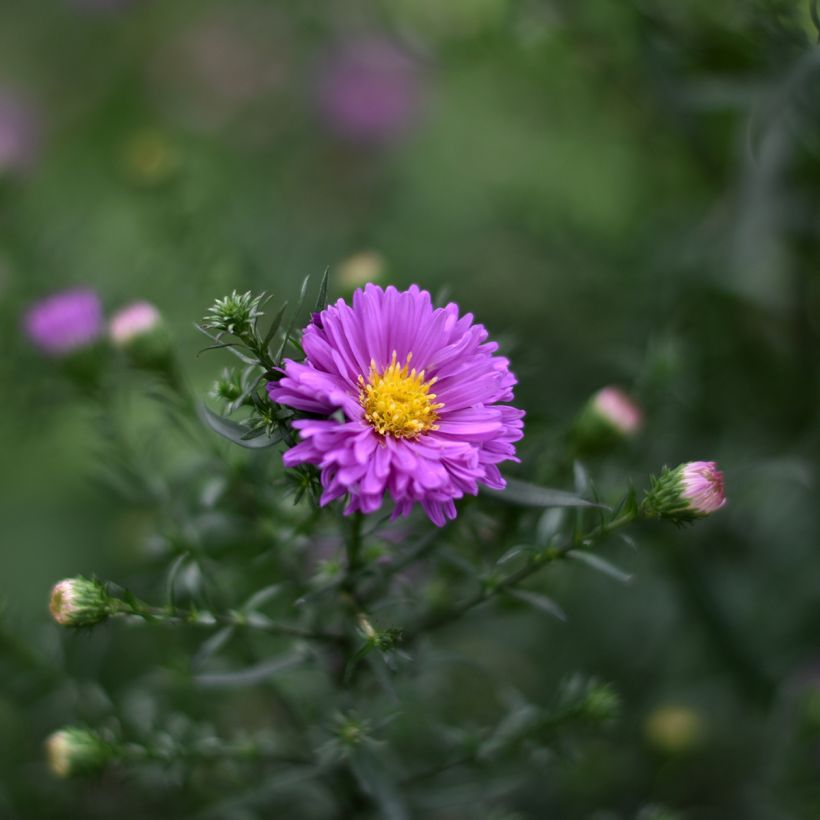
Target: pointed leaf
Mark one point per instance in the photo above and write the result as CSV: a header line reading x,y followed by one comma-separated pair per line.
x,y
600,564
251,675
373,778
277,321
531,495
235,432
261,597
321,299
539,601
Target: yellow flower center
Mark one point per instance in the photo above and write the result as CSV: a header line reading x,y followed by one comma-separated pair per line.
x,y
398,400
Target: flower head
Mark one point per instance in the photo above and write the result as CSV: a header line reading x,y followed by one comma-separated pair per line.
x,y
65,322
370,90
79,602
75,752
692,490
411,402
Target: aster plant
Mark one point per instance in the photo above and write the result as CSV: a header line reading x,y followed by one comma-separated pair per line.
x,y
317,563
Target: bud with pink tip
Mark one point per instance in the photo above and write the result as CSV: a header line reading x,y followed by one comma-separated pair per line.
x,y
138,329
132,322
610,416
692,490
618,410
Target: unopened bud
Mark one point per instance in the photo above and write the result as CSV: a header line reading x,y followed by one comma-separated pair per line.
x,y
79,602
608,417
692,490
75,752
602,703
139,330
674,729
132,322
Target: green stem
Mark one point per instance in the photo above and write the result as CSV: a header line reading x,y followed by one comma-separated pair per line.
x,y
204,618
488,591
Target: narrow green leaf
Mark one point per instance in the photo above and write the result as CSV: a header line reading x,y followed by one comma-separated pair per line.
x,y
600,564
539,601
212,645
171,580
261,597
374,780
235,432
277,321
250,675
321,300
531,495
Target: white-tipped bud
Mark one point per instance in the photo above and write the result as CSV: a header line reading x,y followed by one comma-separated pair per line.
x,y
79,602
75,752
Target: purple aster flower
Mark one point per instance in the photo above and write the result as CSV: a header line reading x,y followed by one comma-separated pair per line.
x,y
65,321
370,90
410,403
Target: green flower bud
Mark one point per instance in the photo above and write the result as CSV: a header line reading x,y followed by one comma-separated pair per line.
x,y
235,314
692,490
602,703
79,602
75,752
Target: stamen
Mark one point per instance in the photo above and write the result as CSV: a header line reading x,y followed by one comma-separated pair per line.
x,y
397,401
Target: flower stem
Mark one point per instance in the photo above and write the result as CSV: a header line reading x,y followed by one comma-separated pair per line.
x,y
204,618
489,590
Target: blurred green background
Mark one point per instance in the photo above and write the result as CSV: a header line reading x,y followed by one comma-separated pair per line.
x,y
625,191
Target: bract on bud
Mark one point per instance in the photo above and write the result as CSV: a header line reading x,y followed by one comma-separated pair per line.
x,y
79,602
689,491
608,417
76,752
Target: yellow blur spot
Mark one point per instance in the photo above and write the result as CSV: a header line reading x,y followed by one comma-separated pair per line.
x,y
674,729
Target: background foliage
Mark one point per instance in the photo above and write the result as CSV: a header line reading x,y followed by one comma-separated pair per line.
x,y
626,191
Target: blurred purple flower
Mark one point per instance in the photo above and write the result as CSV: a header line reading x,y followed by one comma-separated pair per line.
x,y
223,67
65,321
101,5
20,132
370,90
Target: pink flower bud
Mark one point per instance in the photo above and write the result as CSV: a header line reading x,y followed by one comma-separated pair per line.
x,y
617,408
692,490
132,322
703,486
